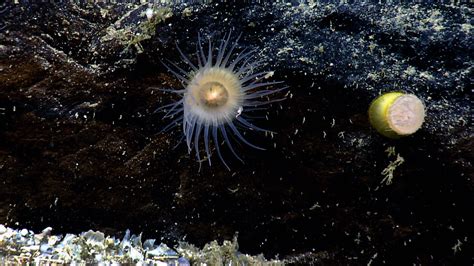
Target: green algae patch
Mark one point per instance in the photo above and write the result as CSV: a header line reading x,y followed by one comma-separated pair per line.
x,y
132,35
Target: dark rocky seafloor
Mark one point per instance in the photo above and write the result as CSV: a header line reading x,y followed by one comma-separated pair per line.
x,y
81,147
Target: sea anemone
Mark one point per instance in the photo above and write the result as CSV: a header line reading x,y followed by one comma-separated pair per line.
x,y
218,93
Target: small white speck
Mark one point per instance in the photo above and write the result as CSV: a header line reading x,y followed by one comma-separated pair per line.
x,y
149,13
269,74
457,247
341,134
239,111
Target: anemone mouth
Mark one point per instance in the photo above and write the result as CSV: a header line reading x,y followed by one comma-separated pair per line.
x,y
213,95
218,93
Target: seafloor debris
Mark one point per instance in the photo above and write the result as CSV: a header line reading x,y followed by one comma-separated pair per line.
x,y
88,247
23,246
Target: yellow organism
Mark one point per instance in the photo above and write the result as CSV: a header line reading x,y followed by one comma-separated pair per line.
x,y
396,114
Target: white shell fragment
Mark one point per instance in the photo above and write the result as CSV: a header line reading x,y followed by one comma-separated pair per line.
x,y
89,247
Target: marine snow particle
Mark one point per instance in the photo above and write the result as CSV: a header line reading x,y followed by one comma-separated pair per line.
x,y
218,93
396,114
149,13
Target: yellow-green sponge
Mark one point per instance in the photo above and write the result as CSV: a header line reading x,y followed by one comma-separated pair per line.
x,y
396,114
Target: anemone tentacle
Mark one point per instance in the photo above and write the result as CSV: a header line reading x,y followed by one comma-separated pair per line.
x,y
172,124
250,125
186,59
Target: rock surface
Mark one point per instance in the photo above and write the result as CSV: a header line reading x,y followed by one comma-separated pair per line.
x,y
81,148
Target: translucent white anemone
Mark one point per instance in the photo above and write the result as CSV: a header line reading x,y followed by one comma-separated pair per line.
x,y
217,94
